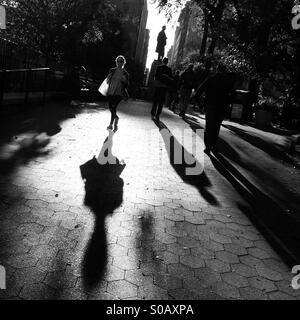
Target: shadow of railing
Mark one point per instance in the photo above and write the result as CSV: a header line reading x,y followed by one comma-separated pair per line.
x,y
281,229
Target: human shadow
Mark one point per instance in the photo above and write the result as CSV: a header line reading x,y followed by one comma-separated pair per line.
x,y
281,229
186,165
103,194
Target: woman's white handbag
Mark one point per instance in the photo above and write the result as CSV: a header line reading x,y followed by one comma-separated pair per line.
x,y
104,87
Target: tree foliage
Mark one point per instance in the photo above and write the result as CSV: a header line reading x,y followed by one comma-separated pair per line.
x,y
59,27
253,37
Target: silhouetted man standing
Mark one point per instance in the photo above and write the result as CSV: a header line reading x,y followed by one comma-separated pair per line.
x,y
163,80
218,90
161,42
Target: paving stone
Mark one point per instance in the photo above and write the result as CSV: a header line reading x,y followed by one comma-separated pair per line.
x,y
203,253
250,293
104,296
220,238
207,275
278,266
212,246
192,261
195,219
227,257
251,261
280,296
188,242
218,265
226,291
258,253
38,291
126,241
138,278
117,250
183,294
262,284
285,286
60,280
178,249
72,294
125,262
114,272
244,270
242,242
167,281
235,279
22,261
235,248
268,273
179,270
166,257
28,276
122,289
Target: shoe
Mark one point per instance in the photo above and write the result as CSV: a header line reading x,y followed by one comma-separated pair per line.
x,y
109,127
153,118
157,118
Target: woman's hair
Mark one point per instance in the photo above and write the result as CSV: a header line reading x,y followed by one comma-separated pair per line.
x,y
121,57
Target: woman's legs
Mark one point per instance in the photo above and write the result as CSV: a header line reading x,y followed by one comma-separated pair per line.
x,y
113,102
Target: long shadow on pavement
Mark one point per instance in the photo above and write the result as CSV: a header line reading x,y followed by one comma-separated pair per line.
x,y
257,142
200,180
42,119
103,194
281,230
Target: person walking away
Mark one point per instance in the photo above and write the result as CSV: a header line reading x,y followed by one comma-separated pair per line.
x,y
174,91
200,78
118,79
218,89
162,81
187,83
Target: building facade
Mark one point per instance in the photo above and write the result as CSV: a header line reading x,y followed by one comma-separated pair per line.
x,y
186,38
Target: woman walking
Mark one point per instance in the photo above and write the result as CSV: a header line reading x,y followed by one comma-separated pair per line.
x,y
118,79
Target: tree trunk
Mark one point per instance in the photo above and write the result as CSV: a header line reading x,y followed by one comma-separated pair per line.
x,y
204,37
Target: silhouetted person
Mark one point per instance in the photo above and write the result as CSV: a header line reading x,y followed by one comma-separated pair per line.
x,y
187,83
218,90
163,80
161,42
118,79
174,91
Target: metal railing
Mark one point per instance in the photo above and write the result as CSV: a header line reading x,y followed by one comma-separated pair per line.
x,y
27,77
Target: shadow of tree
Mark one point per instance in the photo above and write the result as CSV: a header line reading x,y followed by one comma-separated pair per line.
x,y
42,119
103,194
199,180
21,151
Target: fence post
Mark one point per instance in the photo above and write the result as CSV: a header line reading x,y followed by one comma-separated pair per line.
x,y
3,75
45,86
27,86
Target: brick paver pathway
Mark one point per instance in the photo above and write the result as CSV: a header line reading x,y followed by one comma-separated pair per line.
x,y
172,237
